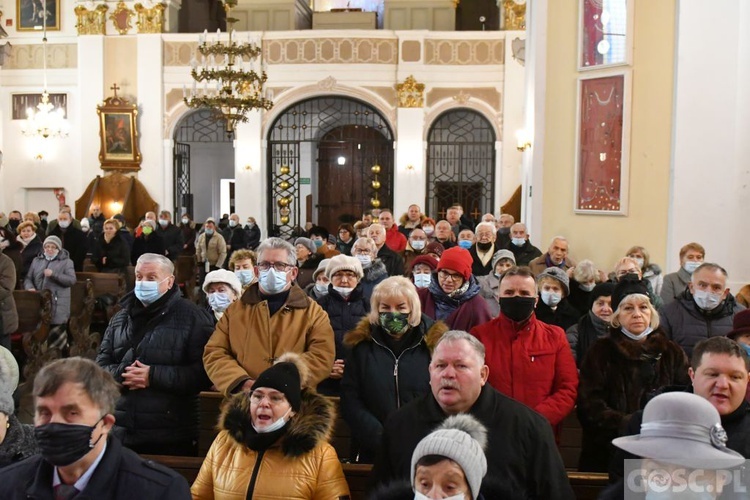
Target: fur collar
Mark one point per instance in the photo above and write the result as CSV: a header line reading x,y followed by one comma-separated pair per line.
x,y
405,222
312,425
376,271
655,344
363,332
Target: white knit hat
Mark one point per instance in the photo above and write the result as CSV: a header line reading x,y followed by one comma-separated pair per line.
x,y
461,438
344,263
223,276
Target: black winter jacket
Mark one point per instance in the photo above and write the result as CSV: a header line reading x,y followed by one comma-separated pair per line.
x,y
173,240
116,252
524,254
686,324
394,263
377,382
172,345
28,254
151,244
528,464
564,316
121,475
74,241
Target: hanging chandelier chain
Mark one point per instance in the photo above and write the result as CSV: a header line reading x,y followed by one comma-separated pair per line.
x,y
231,68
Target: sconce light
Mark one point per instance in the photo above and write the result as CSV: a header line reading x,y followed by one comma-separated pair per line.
x,y
522,141
410,168
248,168
341,160
115,207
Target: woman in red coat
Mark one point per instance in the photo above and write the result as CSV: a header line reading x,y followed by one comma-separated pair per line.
x,y
454,296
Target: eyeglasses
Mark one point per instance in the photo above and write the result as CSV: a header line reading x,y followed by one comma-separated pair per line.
x,y
445,275
344,274
274,398
361,251
278,266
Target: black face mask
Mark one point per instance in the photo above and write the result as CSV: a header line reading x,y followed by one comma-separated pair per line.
x,y
517,308
13,223
504,230
484,246
63,444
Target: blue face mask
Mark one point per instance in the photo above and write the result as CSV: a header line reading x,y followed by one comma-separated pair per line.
x,y
519,242
466,244
245,276
219,301
746,348
422,280
148,291
209,232
273,281
318,243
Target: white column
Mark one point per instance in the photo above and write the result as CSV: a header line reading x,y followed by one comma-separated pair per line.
x,y
155,173
536,87
168,161
409,177
250,191
90,95
514,83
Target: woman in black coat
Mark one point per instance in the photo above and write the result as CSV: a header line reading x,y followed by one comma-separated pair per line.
x,y
111,252
32,246
346,305
148,241
388,363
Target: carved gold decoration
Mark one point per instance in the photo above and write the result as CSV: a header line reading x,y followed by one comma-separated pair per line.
x,y
91,22
150,20
121,18
514,12
410,93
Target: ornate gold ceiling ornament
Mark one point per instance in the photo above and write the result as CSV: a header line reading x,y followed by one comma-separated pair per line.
x,y
150,20
121,18
514,13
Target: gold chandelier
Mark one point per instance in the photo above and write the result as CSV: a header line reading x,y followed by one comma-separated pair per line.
x,y
231,77
46,121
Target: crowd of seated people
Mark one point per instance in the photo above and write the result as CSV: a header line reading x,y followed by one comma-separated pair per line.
x,y
404,321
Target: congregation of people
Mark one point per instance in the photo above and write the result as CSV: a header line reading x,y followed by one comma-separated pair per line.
x,y
453,350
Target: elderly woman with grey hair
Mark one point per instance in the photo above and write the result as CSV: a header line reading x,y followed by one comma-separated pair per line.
x,y
583,279
366,251
16,439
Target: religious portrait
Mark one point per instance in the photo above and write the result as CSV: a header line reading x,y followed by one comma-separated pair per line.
x,y
30,15
118,130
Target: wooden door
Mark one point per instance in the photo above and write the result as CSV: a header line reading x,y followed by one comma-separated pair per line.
x,y
345,190
468,13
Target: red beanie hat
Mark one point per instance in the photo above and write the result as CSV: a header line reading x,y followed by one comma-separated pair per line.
x,y
456,259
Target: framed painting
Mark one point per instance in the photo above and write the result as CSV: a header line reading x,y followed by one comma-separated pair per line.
x,y
30,15
605,32
603,144
118,131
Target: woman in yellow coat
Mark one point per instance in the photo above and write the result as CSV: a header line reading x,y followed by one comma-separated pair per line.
x,y
274,442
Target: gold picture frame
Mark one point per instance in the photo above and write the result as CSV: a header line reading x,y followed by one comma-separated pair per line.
x,y
30,15
118,133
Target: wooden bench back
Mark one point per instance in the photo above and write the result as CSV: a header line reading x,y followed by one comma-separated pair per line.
x,y
105,284
82,342
586,486
29,341
186,272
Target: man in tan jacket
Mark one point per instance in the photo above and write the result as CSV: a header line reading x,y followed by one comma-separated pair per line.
x,y
272,317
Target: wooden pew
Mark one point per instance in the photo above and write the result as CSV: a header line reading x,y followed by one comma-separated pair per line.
x,y
570,441
186,273
105,283
82,342
586,486
29,342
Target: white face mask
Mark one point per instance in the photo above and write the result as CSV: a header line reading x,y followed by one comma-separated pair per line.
x,y
343,290
551,298
639,336
587,287
365,260
690,266
639,261
64,224
428,230
422,280
321,288
281,422
420,496
417,244
706,300
519,242
185,220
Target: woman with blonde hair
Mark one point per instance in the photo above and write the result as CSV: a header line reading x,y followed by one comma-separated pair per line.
x,y
111,252
388,363
242,263
622,370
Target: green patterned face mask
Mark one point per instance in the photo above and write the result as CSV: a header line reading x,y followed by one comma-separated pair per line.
x,y
395,323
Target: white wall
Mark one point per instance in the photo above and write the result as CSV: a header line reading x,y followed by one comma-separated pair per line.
x,y
710,181
209,163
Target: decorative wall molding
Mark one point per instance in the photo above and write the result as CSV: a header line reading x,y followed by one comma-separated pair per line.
x,y
331,51
179,53
59,56
464,52
489,95
410,93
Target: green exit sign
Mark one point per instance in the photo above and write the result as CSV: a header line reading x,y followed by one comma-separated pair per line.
x,y
304,180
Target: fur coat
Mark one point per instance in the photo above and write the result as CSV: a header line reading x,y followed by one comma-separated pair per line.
x,y
617,376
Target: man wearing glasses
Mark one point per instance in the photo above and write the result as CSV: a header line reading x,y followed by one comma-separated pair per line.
x,y
272,317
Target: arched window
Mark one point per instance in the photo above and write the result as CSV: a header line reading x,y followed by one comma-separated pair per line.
x,y
460,164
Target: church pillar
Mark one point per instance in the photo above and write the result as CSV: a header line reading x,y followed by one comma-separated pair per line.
x,y
155,174
90,94
251,171
409,177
